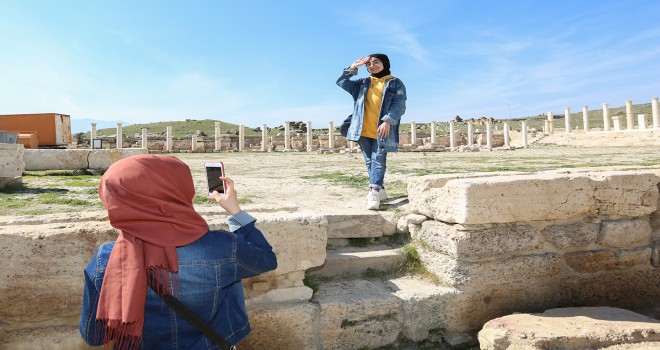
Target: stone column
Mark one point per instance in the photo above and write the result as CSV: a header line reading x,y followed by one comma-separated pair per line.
x,y
218,143
310,136
523,130
470,141
606,117
551,124
567,120
193,143
168,139
585,118
264,137
629,116
331,135
287,137
434,137
413,133
616,122
120,137
641,121
656,112
506,134
241,138
452,136
92,136
489,136
144,138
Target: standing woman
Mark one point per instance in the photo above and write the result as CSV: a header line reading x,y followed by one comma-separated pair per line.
x,y
379,103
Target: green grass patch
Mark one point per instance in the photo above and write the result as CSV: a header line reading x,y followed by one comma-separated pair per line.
x,y
57,198
339,178
413,264
314,282
374,274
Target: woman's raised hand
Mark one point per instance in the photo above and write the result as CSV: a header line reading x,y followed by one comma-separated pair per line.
x,y
360,61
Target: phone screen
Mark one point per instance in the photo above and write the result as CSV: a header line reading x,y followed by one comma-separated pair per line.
x,y
212,178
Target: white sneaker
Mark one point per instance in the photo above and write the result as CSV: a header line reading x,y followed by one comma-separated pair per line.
x,y
373,200
382,194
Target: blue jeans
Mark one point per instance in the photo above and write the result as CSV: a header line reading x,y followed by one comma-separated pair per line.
x,y
375,161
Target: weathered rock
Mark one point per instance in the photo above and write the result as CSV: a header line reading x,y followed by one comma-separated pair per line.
x,y
70,159
575,235
572,328
482,199
283,326
624,233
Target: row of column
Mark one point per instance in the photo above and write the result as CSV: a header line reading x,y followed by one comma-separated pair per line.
x,y
549,126
642,121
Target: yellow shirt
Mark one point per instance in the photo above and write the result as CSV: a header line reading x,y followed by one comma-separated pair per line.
x,y
372,103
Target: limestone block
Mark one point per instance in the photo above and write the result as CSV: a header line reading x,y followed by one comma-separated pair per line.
x,y
516,269
42,272
301,293
480,241
282,326
358,314
103,159
12,163
71,159
633,288
481,199
575,235
606,260
625,233
298,239
389,225
470,310
572,328
424,306
355,225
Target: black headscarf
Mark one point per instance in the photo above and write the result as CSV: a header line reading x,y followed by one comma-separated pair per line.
x,y
386,64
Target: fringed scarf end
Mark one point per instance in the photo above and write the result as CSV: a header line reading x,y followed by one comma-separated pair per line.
x,y
119,335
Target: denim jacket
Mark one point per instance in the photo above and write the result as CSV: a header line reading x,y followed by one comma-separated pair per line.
x,y
393,106
210,273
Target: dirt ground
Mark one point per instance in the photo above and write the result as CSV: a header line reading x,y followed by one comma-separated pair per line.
x,y
337,182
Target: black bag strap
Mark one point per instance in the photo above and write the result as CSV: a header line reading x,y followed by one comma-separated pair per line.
x,y
192,318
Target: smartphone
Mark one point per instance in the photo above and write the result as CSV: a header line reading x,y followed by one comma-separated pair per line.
x,y
213,172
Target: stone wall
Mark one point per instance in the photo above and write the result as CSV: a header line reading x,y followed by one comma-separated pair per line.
x,y
71,159
530,242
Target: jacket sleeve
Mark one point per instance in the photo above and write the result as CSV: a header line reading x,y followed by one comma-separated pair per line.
x,y
351,86
398,105
254,255
88,325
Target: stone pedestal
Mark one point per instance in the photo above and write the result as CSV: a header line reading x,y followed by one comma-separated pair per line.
x,y
616,123
641,121
12,164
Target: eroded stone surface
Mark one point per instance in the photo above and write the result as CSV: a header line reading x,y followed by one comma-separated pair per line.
x,y
571,328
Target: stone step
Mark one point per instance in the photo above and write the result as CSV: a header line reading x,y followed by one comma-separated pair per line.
x,y
356,260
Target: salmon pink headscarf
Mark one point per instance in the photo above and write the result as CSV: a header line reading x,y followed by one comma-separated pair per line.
x,y
149,199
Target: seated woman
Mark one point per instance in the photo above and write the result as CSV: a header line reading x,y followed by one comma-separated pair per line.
x,y
163,241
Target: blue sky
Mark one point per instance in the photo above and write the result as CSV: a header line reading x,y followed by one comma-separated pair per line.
x,y
254,62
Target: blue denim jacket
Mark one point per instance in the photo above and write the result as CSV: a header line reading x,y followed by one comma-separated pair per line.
x,y
210,273
393,106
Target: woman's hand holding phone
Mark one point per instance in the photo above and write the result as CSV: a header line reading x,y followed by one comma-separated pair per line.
x,y
229,200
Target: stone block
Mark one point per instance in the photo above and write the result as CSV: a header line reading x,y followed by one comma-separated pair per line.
x,y
71,159
283,326
632,288
355,225
575,235
517,269
625,233
471,309
488,198
358,314
607,260
480,241
572,328
42,265
424,306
